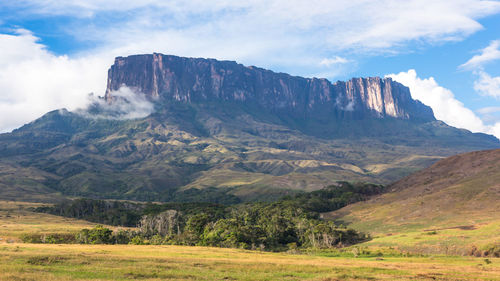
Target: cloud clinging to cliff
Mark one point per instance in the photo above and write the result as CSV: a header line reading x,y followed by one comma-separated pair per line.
x,y
128,104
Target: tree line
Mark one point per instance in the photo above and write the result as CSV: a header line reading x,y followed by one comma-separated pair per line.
x,y
289,223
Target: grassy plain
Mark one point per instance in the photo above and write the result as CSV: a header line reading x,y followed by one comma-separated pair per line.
x,y
21,261
16,220
125,262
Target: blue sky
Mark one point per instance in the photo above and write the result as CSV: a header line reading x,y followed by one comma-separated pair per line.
x,y
53,53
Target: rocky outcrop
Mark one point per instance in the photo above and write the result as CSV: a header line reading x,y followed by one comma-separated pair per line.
x,y
195,80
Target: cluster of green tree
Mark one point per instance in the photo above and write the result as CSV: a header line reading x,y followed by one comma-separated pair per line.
x,y
191,201
292,221
49,238
334,197
123,213
207,195
101,211
266,226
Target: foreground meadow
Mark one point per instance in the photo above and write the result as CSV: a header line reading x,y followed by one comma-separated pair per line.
x,y
23,261
125,262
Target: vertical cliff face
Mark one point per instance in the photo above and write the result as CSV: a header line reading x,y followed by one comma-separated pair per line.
x,y
382,97
194,80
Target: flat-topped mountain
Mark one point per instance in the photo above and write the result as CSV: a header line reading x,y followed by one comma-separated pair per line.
x,y
195,80
228,129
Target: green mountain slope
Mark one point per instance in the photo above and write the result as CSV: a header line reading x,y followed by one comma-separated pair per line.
x,y
181,147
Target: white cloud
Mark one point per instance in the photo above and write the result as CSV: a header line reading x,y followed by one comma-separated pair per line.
x,y
495,130
487,85
127,104
33,81
490,115
444,104
333,61
489,110
488,54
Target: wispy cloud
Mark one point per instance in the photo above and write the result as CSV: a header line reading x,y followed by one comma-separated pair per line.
x,y
488,54
490,115
485,84
333,61
489,110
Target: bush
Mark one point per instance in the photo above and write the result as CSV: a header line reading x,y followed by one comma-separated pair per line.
x,y
31,238
45,260
52,238
97,235
122,236
492,250
137,240
157,240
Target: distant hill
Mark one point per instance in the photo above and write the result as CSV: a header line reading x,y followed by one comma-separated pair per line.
x,y
247,131
458,197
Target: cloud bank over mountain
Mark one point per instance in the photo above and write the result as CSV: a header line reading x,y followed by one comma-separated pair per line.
x,y
444,104
34,81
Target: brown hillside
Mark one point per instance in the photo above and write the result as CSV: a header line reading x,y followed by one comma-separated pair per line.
x,y
461,190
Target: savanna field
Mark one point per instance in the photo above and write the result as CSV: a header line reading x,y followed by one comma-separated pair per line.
x,y
368,261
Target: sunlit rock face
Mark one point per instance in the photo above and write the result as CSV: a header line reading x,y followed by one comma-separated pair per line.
x,y
196,80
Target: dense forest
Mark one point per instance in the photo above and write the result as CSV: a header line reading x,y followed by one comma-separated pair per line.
x,y
291,222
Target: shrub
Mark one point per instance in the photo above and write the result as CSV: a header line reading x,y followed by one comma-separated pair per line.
x,y
157,240
31,238
492,250
45,260
122,236
97,235
52,238
137,240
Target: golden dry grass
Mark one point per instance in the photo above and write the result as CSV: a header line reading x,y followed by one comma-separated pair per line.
x,y
16,220
125,262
